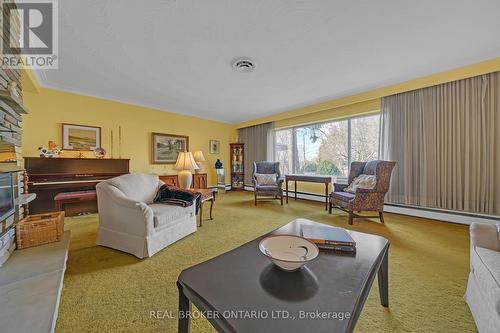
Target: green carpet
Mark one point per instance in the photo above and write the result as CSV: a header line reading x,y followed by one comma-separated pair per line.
x,y
110,291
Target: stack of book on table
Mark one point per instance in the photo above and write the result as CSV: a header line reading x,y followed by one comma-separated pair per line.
x,y
329,238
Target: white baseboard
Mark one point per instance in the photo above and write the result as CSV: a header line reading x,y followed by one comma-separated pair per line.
x,y
428,213
440,214
227,187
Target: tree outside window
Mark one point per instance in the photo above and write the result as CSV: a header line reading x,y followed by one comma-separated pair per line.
x,y
327,148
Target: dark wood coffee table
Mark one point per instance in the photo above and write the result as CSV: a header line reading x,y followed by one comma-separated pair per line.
x,y
229,287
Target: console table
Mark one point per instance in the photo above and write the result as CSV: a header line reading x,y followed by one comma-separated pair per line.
x,y
309,179
199,180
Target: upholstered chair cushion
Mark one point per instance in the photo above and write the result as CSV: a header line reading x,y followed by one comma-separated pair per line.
x,y
166,216
266,178
485,235
483,288
363,181
342,196
266,167
139,187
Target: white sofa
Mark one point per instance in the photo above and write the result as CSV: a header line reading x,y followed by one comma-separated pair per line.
x,y
483,288
129,220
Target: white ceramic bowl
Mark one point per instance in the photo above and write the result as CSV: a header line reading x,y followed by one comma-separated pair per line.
x,y
288,252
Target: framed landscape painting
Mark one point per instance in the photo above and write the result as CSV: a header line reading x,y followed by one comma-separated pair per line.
x,y
166,147
80,137
214,146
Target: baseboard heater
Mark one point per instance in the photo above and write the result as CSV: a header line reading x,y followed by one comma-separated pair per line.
x,y
417,211
440,214
226,187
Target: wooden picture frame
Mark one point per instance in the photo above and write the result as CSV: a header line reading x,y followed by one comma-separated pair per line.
x,y
80,137
166,147
214,146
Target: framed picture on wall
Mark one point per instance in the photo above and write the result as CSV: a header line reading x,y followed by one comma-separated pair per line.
x,y
214,146
81,137
166,147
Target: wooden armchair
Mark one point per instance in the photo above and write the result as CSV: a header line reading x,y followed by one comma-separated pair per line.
x,y
364,199
274,188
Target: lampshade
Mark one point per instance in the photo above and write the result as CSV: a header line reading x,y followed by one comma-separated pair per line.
x,y
198,156
185,161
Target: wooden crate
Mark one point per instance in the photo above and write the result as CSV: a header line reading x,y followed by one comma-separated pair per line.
x,y
40,229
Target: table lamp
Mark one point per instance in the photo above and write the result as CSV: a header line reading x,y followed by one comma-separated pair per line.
x,y
185,164
199,158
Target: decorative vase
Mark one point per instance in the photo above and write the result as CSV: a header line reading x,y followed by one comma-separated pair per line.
x,y
99,153
185,179
218,164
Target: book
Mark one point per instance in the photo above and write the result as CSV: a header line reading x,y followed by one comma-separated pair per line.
x,y
328,236
342,248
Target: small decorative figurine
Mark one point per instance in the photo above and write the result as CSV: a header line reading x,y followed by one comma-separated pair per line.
x,y
218,164
52,151
99,152
44,152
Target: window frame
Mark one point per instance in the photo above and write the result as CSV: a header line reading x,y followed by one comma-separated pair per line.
x,y
349,137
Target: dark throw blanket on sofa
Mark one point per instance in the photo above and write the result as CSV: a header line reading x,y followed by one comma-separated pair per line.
x,y
171,195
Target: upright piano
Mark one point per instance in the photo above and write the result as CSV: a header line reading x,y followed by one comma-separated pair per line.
x,y
48,177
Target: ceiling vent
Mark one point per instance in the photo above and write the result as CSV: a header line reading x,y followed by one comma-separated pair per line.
x,y
243,65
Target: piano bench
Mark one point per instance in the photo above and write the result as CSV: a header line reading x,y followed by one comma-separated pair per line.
x,y
76,203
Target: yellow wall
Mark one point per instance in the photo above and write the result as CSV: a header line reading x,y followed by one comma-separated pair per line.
x,y
29,81
362,108
49,108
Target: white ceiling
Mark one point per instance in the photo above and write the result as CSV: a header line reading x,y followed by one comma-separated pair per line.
x,y
175,55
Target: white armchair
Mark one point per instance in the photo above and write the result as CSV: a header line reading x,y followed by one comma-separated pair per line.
x,y
129,221
483,288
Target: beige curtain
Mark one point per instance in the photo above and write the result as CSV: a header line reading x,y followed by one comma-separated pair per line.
x,y
446,142
258,145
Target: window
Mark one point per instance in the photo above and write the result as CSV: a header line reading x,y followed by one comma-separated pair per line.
x,y
283,150
364,138
327,148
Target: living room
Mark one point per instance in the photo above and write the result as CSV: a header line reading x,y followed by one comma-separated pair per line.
x,y
249,166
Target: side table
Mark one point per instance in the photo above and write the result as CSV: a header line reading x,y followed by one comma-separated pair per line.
x,y
206,195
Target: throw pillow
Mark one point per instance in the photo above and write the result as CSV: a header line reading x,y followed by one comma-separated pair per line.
x,y
266,178
362,181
